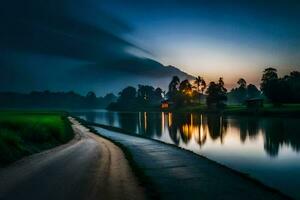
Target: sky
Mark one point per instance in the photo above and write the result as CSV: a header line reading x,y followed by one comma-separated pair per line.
x,y
216,38
105,45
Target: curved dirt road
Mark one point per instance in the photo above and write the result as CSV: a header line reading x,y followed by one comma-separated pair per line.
x,y
88,167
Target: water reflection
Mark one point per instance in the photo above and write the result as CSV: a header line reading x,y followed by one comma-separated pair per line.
x,y
184,128
279,133
266,148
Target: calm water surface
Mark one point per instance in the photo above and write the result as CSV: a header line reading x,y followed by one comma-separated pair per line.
x,y
265,148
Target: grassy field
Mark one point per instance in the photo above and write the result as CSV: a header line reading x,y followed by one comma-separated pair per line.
x,y
25,133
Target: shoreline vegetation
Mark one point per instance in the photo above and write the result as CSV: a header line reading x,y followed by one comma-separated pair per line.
x,y
291,110
25,133
276,96
54,100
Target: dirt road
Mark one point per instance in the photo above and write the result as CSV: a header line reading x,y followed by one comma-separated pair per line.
x,y
88,167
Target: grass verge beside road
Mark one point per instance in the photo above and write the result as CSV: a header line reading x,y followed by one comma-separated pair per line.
x,y
25,133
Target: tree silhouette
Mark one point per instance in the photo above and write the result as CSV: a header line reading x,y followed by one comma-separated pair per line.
x,y
145,93
243,92
242,83
200,84
186,87
216,93
269,84
252,91
173,88
127,94
197,82
91,99
203,85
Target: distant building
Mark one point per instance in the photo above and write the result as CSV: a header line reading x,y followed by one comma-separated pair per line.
x,y
165,104
254,103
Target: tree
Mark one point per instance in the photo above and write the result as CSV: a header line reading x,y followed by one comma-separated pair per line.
x,y
110,97
203,85
269,85
200,84
186,87
127,100
241,91
252,91
197,82
91,99
127,94
184,95
281,90
216,93
148,95
242,83
145,93
173,88
294,85
91,95
159,93
221,85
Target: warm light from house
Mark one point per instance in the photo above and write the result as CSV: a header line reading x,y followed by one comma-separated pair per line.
x,y
165,105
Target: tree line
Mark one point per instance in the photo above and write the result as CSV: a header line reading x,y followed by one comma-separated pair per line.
x,y
240,94
143,97
48,99
180,93
280,90
191,92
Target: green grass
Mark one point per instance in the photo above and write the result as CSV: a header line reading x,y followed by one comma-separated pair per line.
x,y
25,133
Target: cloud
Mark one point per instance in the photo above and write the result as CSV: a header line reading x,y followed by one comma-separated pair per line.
x,y
50,27
67,44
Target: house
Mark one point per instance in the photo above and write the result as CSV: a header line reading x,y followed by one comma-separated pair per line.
x,y
165,104
254,103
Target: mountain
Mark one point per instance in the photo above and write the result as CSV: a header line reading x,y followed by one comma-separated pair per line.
x,y
127,72
63,45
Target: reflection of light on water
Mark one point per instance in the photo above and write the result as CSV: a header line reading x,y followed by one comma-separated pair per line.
x,y
221,129
145,121
201,136
195,130
265,148
170,119
162,121
165,136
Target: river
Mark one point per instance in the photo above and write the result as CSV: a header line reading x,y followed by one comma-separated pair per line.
x,y
265,148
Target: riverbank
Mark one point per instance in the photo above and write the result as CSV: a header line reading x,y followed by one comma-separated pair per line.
x,y
26,133
177,173
291,110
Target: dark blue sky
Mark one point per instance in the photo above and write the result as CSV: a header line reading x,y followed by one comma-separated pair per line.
x,y
216,38
101,45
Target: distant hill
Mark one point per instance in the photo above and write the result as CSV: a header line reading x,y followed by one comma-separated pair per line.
x,y
54,100
102,78
69,52
126,72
